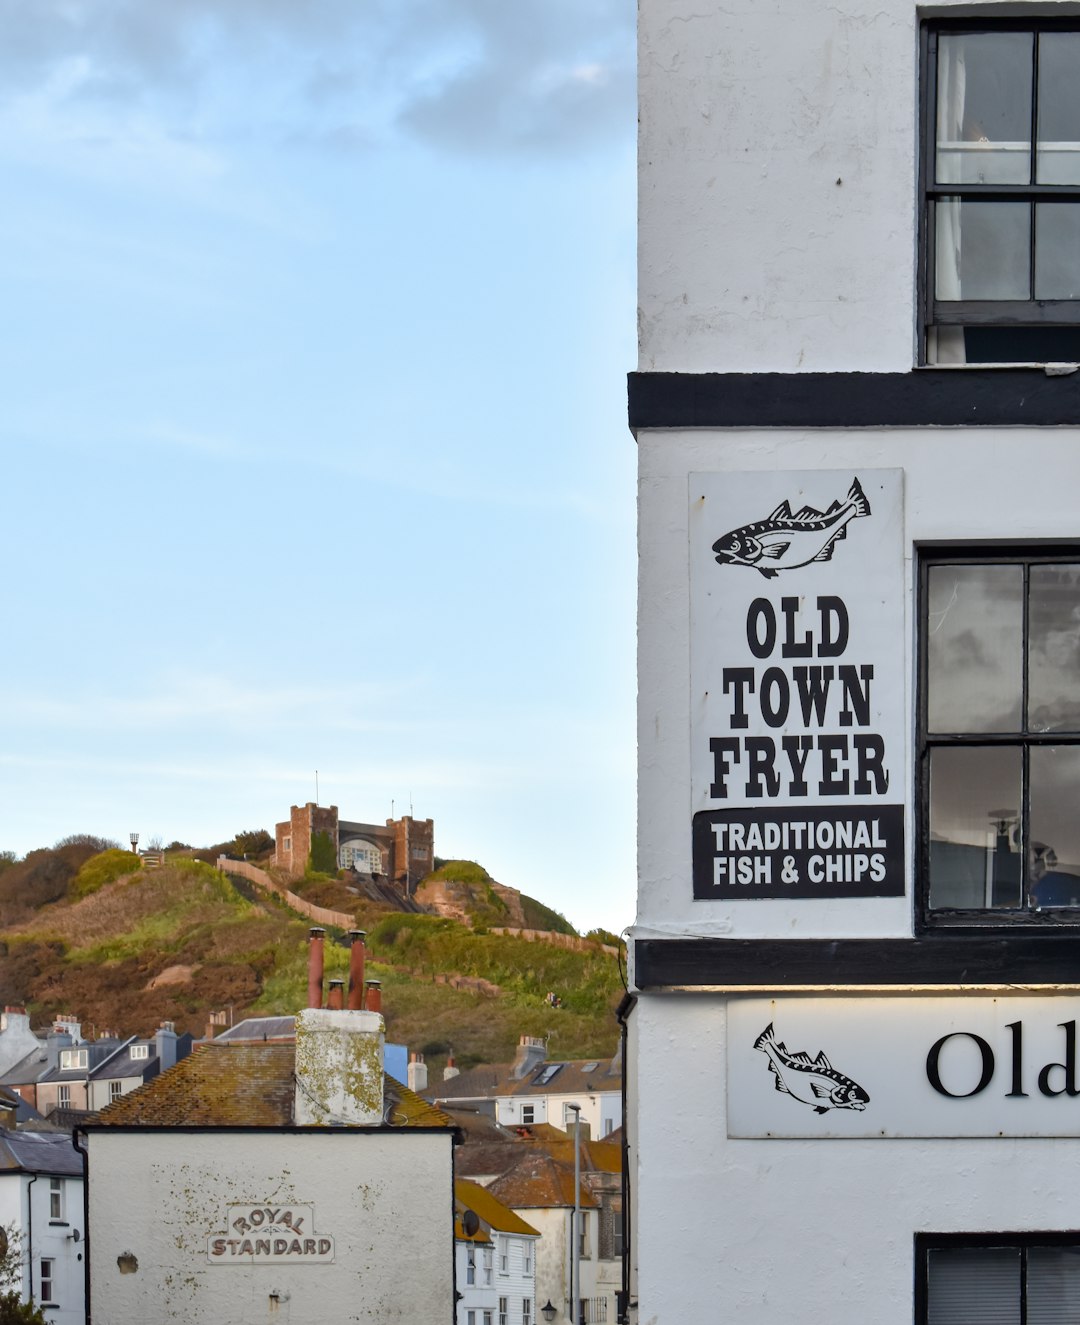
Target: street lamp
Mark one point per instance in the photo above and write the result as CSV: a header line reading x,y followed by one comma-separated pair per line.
x,y
548,1311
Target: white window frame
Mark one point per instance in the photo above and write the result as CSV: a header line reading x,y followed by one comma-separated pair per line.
x,y
504,1311
504,1254
63,1097
139,1051
528,1114
470,1265
47,1295
56,1200
73,1060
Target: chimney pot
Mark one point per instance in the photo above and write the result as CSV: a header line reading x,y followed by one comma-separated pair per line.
x,y
315,967
335,998
356,969
373,1001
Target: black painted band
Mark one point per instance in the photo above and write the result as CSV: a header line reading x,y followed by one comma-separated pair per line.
x,y
926,397
939,959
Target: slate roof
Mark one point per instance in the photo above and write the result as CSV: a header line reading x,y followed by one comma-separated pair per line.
x,y
242,1085
490,1211
39,1152
572,1077
253,1029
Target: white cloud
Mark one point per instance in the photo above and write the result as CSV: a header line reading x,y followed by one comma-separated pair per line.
x,y
469,74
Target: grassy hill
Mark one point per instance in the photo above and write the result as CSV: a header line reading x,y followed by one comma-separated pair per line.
x,y
124,947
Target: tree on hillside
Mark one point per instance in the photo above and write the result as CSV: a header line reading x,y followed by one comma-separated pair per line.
x,y
252,842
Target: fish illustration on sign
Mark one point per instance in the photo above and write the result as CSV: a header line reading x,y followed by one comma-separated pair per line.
x,y
812,1081
786,539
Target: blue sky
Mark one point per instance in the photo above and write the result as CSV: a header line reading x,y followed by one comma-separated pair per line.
x,y
313,347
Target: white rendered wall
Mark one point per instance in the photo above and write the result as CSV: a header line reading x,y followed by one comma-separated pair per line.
x,y
53,1241
596,1106
386,1198
813,1231
778,184
959,484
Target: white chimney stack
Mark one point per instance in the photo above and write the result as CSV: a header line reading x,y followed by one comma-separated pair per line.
x,y
339,1072
417,1073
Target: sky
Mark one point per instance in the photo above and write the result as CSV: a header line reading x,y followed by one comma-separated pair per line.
x,y
313,447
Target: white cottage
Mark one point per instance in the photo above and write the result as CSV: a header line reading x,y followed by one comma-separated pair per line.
x,y
41,1204
852,1059
285,1180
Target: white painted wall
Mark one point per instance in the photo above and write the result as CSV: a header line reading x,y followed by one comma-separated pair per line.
x,y
515,1283
386,1198
598,1108
24,1205
960,484
777,202
810,1230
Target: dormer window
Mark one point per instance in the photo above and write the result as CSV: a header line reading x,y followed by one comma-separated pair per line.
x,y
72,1059
140,1051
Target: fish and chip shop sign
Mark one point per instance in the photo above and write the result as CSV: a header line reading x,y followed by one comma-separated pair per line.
x,y
977,1066
270,1235
797,675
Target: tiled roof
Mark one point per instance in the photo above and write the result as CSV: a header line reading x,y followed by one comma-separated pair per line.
x,y
540,1181
489,1209
242,1085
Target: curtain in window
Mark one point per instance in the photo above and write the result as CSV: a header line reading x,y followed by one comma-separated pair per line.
x,y
947,343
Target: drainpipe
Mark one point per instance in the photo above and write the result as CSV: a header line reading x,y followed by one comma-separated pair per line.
x,y
315,968
86,1217
622,1016
356,969
30,1234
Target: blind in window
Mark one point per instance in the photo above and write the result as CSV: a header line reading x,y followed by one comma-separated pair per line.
x,y
1053,1285
973,1286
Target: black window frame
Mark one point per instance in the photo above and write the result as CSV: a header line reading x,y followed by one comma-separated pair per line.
x,y
1025,917
1038,313
1024,1242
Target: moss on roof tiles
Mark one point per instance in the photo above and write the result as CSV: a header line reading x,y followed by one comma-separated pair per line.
x,y
241,1085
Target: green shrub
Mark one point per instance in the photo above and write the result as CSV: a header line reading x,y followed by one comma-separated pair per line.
x,y
461,871
105,867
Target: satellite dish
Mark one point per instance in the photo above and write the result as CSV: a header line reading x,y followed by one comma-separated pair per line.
x,y
470,1223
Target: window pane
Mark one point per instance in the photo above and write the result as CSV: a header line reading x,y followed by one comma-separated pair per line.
x,y
1058,156
1057,250
975,856
1054,649
974,641
984,108
982,250
973,1286
1055,828
1053,1285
